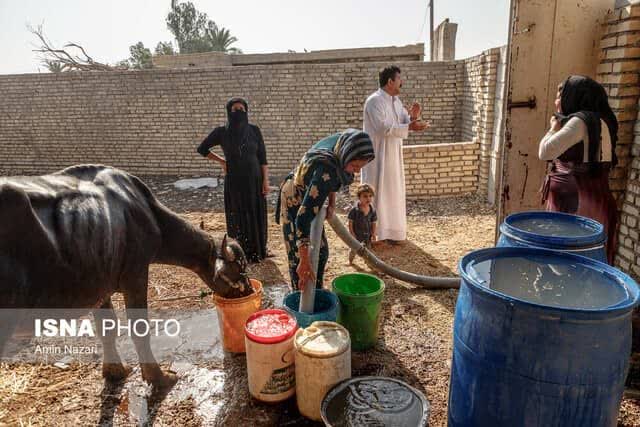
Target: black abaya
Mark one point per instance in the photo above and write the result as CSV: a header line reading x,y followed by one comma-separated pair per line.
x,y
244,204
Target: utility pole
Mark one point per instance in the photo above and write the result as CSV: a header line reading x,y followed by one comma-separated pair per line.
x,y
431,56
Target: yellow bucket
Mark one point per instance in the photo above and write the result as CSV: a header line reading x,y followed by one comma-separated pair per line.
x,y
233,314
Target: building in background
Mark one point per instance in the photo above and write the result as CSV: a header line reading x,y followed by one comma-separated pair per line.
x,y
414,52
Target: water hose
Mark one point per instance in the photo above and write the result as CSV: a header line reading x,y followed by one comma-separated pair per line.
x,y
427,282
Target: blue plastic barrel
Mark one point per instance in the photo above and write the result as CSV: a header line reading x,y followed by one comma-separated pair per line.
x,y
554,230
541,338
325,307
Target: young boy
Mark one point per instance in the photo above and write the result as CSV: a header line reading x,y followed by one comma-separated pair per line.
x,y
362,218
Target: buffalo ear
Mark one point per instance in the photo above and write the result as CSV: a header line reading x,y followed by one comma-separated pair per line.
x,y
213,256
224,244
227,253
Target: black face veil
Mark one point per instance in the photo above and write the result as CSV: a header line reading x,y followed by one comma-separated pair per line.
x,y
238,123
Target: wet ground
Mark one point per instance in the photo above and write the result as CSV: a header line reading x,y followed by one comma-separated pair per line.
x,y
414,345
214,387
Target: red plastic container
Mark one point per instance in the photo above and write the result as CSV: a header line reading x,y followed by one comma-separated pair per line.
x,y
270,326
270,356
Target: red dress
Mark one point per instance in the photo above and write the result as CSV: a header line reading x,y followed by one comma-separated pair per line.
x,y
579,188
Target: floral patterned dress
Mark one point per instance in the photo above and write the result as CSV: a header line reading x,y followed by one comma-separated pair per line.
x,y
299,206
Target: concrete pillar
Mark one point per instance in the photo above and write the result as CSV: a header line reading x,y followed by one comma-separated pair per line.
x,y
445,41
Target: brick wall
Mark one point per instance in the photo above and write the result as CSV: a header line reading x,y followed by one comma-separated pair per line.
x,y
441,169
478,105
150,122
628,255
618,71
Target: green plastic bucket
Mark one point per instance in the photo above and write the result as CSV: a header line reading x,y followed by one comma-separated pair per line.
x,y
359,311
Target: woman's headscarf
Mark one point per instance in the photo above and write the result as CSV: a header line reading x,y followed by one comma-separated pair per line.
x,y
586,99
238,123
352,144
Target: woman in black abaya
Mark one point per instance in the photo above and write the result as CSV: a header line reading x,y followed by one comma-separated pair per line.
x,y
246,181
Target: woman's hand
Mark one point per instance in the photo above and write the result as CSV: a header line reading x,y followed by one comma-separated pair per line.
x,y
331,206
331,210
555,124
265,180
220,160
304,270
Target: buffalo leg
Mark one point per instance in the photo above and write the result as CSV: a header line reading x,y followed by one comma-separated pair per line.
x,y
136,301
112,367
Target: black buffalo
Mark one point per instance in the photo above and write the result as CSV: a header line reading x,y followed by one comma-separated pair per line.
x,y
73,238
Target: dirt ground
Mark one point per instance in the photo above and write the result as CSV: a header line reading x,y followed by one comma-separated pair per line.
x,y
415,343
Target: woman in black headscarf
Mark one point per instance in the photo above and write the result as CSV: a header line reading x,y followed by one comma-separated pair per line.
x,y
246,181
581,148
328,166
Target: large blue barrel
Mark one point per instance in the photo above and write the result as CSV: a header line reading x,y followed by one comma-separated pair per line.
x,y
541,338
554,230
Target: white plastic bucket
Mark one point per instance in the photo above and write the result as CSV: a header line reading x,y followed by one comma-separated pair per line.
x,y
269,336
323,359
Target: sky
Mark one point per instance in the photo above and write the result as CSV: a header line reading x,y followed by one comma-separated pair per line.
x,y
106,29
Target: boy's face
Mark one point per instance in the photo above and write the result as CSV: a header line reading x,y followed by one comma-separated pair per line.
x,y
365,198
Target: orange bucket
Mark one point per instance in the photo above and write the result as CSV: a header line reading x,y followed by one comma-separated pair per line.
x,y
233,314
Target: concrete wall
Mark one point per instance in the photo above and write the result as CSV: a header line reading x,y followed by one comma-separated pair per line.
x,y
497,135
193,60
444,47
413,52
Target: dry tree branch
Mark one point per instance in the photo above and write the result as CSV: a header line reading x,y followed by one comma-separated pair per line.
x,y
67,61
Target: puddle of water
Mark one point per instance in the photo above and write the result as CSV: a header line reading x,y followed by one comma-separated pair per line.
x,y
274,295
204,386
138,408
198,342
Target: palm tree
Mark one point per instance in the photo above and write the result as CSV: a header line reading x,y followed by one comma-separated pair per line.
x,y
53,66
220,39
195,32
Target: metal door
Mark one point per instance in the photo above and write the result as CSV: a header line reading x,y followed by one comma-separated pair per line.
x,y
548,40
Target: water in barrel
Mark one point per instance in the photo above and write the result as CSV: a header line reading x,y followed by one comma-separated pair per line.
x,y
553,227
557,284
540,337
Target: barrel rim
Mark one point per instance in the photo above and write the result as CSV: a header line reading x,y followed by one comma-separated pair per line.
x,y
584,242
426,407
331,295
346,346
633,292
373,294
258,291
270,340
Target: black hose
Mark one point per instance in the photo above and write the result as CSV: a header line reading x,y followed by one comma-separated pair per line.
x,y
427,282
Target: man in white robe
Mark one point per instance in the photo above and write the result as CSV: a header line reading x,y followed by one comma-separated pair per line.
x,y
387,122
